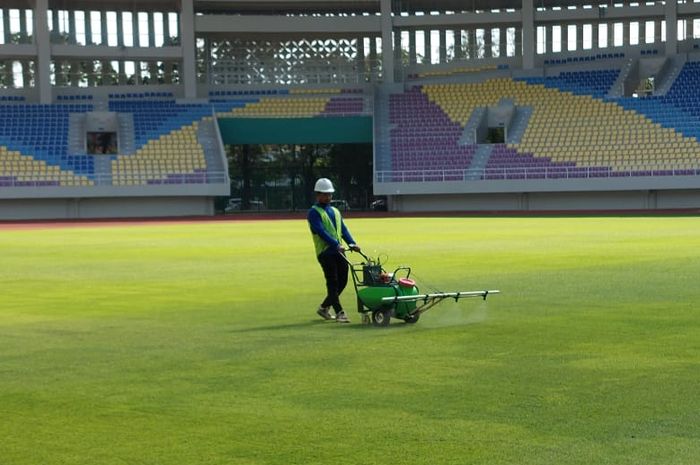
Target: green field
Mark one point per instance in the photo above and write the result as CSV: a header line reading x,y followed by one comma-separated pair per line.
x,y
198,344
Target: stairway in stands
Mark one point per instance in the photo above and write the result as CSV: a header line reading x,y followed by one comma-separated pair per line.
x,y
382,127
208,138
479,162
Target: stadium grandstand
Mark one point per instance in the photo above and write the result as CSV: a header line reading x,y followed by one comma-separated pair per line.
x,y
124,108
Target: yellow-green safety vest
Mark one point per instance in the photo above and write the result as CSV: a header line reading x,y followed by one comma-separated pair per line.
x,y
334,232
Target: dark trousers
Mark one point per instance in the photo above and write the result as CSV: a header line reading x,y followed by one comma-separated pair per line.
x,y
335,270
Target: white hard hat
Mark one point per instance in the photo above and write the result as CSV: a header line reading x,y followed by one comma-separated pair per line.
x,y
324,185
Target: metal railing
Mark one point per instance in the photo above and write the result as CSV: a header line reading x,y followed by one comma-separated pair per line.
x,y
535,173
316,115
116,180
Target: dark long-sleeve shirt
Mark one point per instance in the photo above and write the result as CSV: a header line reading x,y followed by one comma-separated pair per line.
x,y
316,226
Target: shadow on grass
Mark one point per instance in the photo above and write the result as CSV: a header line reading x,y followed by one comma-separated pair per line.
x,y
395,325
301,324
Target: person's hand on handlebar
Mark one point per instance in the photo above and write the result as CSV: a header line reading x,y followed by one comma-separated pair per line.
x,y
354,247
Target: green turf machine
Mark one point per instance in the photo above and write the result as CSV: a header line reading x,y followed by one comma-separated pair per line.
x,y
382,296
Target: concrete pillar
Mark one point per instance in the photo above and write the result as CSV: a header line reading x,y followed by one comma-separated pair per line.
x,y
151,30
23,24
443,46
55,26
90,70
611,35
373,53
224,78
120,31
519,44
137,29
103,27
690,29
136,26
472,48
43,48
412,46
579,37
488,43
189,74
6,25
166,28
387,52
124,78
88,29
503,41
121,72
26,73
626,39
671,13
458,44
168,72
549,41
658,38
528,35
360,61
72,29
74,73
595,43
564,38
152,74
428,47
397,47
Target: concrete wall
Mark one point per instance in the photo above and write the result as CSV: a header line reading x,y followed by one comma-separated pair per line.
x,y
31,209
548,201
101,121
641,193
501,115
162,190
23,203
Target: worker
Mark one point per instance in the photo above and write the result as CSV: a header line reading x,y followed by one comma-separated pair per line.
x,y
328,231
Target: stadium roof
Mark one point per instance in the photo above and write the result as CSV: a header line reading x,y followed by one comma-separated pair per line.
x,y
105,5
373,5
280,6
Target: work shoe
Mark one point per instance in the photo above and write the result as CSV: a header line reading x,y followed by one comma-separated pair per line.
x,y
341,317
324,313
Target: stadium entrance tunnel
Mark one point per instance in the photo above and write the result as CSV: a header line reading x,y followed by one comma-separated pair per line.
x,y
496,136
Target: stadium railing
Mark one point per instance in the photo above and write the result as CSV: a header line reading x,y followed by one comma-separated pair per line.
x,y
135,179
535,173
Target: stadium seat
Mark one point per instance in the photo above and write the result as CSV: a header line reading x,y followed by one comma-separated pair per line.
x,y
572,132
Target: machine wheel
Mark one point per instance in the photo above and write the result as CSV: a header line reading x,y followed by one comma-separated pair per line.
x,y
381,317
412,318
